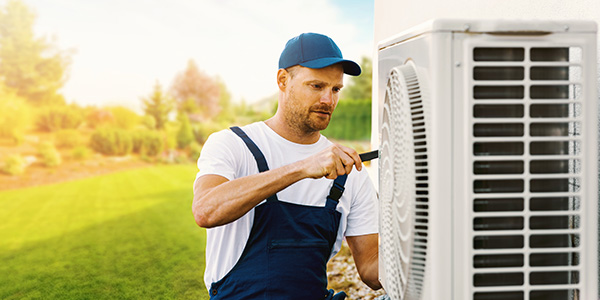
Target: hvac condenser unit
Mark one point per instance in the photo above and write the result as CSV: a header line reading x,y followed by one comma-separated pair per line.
x,y
488,161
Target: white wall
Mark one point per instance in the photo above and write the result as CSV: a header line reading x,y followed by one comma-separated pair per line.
x,y
394,16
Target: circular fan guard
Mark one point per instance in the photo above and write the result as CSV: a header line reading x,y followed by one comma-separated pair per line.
x,y
403,185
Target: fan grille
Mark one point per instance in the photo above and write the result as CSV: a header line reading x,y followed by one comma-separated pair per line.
x,y
527,114
404,185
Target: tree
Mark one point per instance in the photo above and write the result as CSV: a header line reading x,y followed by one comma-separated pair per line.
x,y
196,92
360,86
158,105
185,136
32,67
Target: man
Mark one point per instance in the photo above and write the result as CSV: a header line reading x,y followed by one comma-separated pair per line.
x,y
266,191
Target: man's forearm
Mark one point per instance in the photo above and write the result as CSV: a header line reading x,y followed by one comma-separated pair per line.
x,y
370,274
230,200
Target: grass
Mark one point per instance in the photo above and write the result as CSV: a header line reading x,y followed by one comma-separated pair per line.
x,y
126,235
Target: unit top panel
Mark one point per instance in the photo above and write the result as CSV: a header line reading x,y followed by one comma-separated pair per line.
x,y
498,26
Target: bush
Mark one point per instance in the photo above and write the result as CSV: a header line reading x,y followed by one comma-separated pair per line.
x,y
80,153
15,117
185,135
111,141
124,118
54,118
97,117
14,165
149,122
147,142
195,150
351,120
68,138
203,130
50,157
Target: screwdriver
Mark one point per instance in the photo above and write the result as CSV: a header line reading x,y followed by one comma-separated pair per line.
x,y
369,155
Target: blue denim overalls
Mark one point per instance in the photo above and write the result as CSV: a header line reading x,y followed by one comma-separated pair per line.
x,y
288,248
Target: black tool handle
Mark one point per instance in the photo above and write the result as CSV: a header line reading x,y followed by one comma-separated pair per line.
x,y
369,155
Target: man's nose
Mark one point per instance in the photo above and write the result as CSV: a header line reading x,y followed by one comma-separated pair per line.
x,y
327,97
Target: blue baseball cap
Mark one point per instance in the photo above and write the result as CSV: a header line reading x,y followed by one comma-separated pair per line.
x,y
315,51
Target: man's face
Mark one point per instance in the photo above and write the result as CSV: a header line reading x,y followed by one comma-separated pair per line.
x,y
311,96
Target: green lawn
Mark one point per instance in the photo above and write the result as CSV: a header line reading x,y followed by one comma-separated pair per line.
x,y
127,235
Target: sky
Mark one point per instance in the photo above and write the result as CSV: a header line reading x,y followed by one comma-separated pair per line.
x,y
122,48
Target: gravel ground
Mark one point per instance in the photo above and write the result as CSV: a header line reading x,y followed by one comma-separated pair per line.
x,y
342,276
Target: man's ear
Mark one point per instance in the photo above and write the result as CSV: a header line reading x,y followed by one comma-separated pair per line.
x,y
283,78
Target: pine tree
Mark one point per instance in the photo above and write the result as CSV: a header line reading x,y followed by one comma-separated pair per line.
x,y
158,105
31,67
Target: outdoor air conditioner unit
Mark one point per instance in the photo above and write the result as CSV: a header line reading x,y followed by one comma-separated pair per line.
x,y
488,162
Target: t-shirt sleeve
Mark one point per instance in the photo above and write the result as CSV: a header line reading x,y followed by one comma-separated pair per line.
x,y
218,155
364,213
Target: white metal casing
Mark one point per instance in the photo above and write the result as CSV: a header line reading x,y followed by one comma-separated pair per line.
x,y
443,52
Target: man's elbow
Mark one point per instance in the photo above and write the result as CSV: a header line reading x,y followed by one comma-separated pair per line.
x,y
203,218
373,282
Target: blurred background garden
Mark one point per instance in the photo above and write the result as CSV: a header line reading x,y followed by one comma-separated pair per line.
x,y
95,200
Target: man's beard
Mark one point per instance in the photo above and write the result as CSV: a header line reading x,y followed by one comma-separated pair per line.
x,y
307,121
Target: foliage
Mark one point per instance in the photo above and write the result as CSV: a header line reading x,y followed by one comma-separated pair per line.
x,y
14,165
158,105
351,120
203,130
124,118
196,92
195,150
80,153
33,67
68,138
15,116
147,142
49,154
184,135
98,117
170,136
56,117
111,141
148,121
125,235
360,86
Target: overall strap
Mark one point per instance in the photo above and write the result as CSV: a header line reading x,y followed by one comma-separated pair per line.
x,y
337,189
258,155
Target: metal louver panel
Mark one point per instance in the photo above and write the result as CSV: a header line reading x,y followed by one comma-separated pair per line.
x,y
404,187
526,109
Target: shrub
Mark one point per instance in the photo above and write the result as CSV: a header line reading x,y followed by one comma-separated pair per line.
x,y
68,138
15,117
50,157
195,150
184,135
80,152
111,141
97,117
54,118
147,142
170,136
14,165
124,118
149,122
203,130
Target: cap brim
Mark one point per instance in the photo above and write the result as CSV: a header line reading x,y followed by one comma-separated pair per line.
x,y
350,67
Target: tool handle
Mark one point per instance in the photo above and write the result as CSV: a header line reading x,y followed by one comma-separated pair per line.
x,y
369,155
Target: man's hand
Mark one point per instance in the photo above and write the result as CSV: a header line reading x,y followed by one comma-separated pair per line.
x,y
332,162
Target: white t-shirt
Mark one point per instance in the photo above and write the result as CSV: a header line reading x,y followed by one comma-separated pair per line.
x,y
225,154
